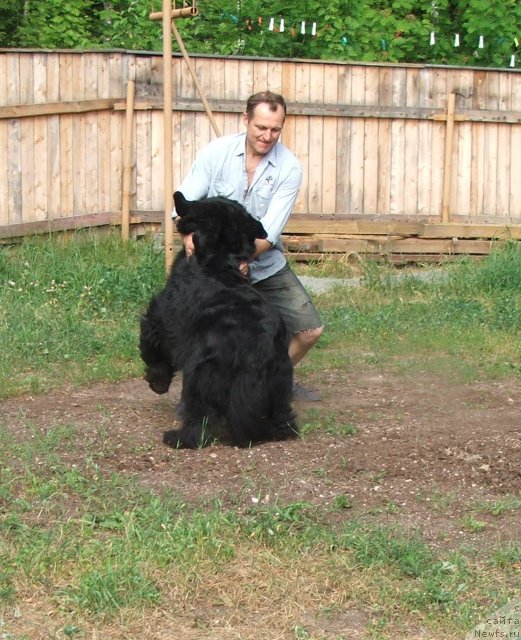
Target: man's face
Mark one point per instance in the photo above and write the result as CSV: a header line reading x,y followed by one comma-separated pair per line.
x,y
263,129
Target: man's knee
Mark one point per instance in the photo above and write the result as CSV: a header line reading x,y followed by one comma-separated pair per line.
x,y
309,337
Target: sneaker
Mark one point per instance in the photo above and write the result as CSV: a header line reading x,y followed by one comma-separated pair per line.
x,y
301,393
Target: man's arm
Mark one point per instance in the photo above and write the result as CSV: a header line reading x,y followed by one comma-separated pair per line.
x,y
260,247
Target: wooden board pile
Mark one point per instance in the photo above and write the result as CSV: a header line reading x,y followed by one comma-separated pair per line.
x,y
311,237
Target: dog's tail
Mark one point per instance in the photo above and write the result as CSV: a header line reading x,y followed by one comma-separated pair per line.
x,y
259,409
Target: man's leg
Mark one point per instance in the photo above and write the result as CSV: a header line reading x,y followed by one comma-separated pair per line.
x,y
286,292
302,342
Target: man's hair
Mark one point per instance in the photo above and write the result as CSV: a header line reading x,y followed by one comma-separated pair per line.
x,y
274,100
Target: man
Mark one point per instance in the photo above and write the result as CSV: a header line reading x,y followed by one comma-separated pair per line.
x,y
258,171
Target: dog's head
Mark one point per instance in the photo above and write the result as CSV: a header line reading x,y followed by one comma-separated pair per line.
x,y
221,227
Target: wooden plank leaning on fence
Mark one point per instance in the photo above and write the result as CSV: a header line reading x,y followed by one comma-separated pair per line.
x,y
127,161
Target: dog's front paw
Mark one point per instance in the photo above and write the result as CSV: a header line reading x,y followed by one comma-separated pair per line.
x,y
159,377
159,386
186,439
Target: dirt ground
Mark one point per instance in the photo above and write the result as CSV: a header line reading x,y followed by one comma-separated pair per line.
x,y
427,452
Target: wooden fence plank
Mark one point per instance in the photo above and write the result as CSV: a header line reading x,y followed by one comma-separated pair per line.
x,y
356,144
316,144
329,144
66,92
371,169
4,137
300,146
343,152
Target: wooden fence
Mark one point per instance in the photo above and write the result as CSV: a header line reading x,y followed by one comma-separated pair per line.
x,y
380,144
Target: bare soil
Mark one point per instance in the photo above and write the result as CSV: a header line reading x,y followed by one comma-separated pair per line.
x,y
427,453
417,440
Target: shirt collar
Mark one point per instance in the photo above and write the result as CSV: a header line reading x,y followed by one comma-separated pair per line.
x,y
272,157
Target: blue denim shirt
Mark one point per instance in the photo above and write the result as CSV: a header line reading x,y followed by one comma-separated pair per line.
x,y
220,170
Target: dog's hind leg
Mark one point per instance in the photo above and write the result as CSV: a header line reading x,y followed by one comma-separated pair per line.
x,y
253,415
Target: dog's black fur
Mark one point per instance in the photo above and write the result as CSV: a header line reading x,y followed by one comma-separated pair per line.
x,y
229,342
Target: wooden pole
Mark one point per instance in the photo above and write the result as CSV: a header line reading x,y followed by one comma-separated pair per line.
x,y
184,12
167,125
447,170
127,160
191,69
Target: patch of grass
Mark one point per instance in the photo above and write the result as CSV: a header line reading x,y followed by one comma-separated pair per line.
x,y
507,556
472,524
80,298
467,323
439,501
499,506
314,421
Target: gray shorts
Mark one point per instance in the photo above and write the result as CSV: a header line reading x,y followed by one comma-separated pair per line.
x,y
285,291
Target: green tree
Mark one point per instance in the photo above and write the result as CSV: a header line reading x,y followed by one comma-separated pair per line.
x,y
58,24
11,13
370,30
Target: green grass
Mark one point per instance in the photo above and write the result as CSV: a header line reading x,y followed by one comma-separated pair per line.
x,y
100,550
98,544
69,310
467,323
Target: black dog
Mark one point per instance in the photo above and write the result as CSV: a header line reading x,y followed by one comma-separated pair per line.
x,y
229,342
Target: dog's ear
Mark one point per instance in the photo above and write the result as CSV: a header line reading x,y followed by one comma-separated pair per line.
x,y
182,205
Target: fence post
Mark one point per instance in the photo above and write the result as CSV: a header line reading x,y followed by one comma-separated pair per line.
x,y
168,15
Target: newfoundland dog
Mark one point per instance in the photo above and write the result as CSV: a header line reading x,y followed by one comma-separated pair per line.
x,y
229,342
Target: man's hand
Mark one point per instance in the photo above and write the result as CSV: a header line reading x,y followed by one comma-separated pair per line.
x,y
188,242
244,268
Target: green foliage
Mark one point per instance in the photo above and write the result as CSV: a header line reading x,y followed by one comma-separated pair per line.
x,y
10,17
58,24
395,31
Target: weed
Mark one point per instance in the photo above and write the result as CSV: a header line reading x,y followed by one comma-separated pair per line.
x,y
472,524
498,507
341,502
